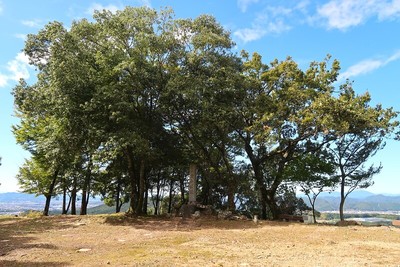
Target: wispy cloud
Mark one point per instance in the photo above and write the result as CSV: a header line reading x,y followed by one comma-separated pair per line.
x,y
243,4
271,20
144,3
100,7
367,66
1,7
343,14
21,36
114,8
35,23
16,69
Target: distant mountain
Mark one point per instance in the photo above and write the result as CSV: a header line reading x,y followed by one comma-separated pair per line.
x,y
359,194
358,200
13,203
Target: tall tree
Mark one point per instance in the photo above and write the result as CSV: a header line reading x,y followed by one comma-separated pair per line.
x,y
313,173
364,129
280,119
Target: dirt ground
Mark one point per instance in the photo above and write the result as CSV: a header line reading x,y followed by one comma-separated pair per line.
x,y
111,240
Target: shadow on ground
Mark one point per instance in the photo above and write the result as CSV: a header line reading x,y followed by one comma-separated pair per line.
x,y
159,223
15,235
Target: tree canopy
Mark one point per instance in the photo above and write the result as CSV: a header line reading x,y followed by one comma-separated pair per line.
x,y
124,103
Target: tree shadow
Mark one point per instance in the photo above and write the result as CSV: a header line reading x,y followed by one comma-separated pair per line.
x,y
15,235
160,223
30,264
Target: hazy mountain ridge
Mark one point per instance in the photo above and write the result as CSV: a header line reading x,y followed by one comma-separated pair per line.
x,y
357,201
14,202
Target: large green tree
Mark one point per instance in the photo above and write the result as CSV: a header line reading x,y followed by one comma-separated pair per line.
x,y
280,119
360,136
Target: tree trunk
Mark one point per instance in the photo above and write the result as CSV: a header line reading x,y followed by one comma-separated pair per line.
x,y
342,198
231,197
64,202
192,183
158,189
85,189
142,185
50,194
132,179
182,188
73,197
171,190
117,196
273,207
263,191
69,205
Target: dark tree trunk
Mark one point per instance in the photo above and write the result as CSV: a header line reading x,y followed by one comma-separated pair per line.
x,y
231,197
273,207
158,188
342,199
50,194
132,179
69,205
64,202
73,197
182,188
117,196
146,196
263,191
86,188
142,185
171,190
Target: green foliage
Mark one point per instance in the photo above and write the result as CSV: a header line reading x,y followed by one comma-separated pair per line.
x,y
124,103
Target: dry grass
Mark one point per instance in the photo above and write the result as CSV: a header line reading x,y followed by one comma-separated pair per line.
x,y
115,240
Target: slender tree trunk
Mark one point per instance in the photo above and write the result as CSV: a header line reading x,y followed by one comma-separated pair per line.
x,y
117,196
69,205
192,183
85,189
273,207
73,197
342,196
132,179
158,188
64,202
231,197
50,194
171,190
182,188
263,191
146,196
142,185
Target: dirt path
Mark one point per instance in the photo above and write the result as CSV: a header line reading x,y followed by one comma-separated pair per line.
x,y
119,241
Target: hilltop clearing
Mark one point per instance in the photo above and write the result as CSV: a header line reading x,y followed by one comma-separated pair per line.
x,y
115,240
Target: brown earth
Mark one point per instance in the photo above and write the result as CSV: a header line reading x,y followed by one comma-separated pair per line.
x,y
115,240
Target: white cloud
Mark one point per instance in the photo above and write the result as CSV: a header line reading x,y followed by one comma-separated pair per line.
x,y
100,7
36,23
271,20
1,7
145,3
21,36
343,14
16,69
389,10
250,34
367,66
243,4
3,80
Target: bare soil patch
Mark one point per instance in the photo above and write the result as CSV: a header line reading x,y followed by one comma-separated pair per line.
x,y
115,240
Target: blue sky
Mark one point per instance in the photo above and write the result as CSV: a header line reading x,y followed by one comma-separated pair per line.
x,y
362,34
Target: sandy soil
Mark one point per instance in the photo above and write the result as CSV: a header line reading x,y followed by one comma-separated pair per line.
x,y
120,241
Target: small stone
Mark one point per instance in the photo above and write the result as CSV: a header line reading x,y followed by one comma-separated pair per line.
x,y
84,250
